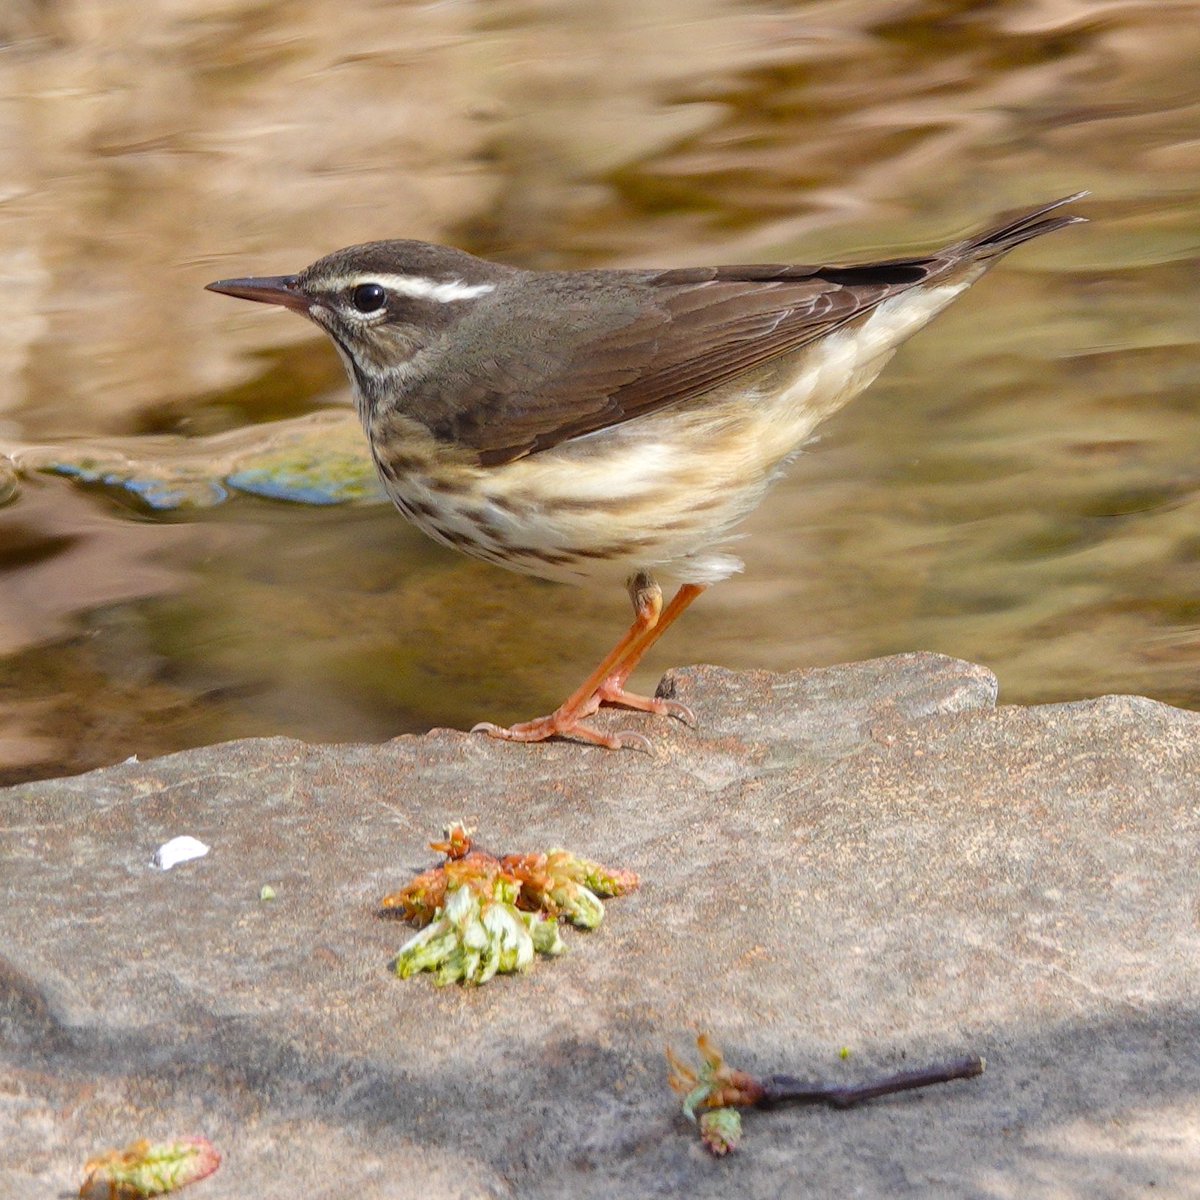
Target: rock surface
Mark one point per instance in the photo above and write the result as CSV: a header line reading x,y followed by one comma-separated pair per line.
x,y
871,856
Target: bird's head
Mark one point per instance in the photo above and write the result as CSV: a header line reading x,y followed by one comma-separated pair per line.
x,y
381,302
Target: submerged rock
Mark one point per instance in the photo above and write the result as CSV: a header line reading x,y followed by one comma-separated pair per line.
x,y
318,459
871,856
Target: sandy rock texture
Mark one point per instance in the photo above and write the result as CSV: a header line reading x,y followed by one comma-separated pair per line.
x,y
872,856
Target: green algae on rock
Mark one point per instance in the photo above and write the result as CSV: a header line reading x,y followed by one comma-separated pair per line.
x,y
315,474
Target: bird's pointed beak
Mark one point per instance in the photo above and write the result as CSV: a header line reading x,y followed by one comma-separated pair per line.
x,y
268,289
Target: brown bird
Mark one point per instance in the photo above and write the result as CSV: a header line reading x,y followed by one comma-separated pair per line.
x,y
609,425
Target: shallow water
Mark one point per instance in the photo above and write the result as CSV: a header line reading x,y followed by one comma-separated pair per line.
x,y
1020,488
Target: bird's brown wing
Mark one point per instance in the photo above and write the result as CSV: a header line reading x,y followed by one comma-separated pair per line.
x,y
598,350
714,329
569,354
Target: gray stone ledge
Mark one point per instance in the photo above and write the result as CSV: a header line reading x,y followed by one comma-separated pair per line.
x,y
872,856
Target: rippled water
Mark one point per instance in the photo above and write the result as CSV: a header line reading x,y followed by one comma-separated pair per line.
x,y
1019,488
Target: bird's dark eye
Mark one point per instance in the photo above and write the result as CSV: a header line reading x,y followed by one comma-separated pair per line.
x,y
368,297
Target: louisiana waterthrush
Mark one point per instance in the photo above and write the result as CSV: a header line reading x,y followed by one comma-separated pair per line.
x,y
609,425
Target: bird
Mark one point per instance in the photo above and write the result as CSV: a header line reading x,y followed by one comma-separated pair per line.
x,y
610,426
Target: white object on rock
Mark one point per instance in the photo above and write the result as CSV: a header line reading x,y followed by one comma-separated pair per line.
x,y
177,850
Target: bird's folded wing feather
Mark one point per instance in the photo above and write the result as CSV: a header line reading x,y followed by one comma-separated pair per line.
x,y
582,359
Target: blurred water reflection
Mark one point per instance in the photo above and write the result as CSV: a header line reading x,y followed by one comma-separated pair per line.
x,y
1020,488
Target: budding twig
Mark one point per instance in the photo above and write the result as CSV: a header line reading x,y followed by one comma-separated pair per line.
x,y
714,1091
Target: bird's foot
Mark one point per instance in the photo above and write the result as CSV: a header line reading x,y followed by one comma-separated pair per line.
x,y
612,691
556,725
569,723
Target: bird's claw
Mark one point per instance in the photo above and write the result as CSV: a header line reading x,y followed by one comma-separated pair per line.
x,y
680,711
629,739
490,729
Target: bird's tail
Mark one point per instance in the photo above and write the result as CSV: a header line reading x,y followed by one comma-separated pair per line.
x,y
1020,227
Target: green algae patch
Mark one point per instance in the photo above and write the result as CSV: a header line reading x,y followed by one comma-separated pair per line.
x,y
311,474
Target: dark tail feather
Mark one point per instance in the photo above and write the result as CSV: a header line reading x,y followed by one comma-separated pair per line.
x,y
1020,228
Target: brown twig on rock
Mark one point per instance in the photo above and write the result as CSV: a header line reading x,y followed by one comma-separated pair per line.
x,y
778,1090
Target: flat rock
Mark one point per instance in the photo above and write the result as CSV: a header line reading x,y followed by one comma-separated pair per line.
x,y
871,856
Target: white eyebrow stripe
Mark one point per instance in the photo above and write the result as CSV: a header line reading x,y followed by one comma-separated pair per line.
x,y
417,287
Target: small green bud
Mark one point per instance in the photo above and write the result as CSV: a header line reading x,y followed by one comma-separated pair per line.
x,y
579,905
721,1130
598,879
546,938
